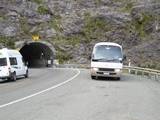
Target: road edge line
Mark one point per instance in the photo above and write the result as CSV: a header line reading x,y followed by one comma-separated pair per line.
x,y
43,91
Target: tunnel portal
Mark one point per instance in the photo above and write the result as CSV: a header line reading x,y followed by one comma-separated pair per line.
x,y
37,54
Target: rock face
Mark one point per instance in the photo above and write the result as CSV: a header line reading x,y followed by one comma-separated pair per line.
x,y
74,26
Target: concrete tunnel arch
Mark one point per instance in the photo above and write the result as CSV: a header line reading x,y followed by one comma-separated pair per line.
x,y
37,54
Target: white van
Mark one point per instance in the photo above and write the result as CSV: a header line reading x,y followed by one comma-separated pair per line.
x,y
107,60
12,65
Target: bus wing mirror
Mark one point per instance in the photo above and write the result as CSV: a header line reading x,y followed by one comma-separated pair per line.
x,y
91,56
124,57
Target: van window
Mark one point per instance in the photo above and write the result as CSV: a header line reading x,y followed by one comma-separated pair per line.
x,y
23,61
3,62
13,61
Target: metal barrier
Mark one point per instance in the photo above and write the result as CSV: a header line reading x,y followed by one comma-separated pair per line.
x,y
151,73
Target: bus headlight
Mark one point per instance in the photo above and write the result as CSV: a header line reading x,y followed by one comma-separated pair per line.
x,y
117,70
95,69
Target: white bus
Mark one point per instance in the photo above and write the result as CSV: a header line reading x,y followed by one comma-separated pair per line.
x,y
107,60
11,65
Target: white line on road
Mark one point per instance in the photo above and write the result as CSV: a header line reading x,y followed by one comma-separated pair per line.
x,y
43,91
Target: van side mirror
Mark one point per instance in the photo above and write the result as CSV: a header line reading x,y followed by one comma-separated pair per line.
x,y
26,63
89,57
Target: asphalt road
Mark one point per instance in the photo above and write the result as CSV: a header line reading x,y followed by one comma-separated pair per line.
x,y
70,94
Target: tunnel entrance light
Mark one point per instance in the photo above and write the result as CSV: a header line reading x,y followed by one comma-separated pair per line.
x,y
35,37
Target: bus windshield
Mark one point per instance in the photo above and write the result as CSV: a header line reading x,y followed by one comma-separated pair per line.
x,y
3,61
107,53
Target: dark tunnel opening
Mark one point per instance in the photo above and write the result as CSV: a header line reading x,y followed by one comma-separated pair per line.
x,y
37,54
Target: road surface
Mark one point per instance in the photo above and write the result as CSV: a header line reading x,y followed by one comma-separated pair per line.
x,y
70,94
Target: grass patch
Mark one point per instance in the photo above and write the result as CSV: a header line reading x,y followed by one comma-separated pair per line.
x,y
37,1
94,28
141,23
56,23
24,26
8,42
68,40
125,71
139,73
97,2
146,74
2,18
128,7
62,56
132,72
151,65
43,9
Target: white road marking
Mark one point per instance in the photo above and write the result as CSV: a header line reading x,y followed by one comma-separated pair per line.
x,y
43,91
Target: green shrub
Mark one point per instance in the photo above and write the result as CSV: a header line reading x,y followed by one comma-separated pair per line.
x,y
62,56
43,9
94,28
25,28
68,40
128,7
97,2
2,18
56,23
37,1
150,64
141,23
7,42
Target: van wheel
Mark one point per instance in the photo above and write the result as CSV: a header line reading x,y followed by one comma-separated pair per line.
x,y
26,75
13,77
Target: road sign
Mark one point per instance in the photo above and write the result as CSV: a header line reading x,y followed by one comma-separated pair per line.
x,y
35,37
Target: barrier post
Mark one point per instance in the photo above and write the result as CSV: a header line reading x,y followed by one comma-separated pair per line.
x,y
129,64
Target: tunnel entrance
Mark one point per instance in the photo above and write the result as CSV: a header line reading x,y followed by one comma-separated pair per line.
x,y
37,54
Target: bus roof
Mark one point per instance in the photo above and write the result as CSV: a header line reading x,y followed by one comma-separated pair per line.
x,y
108,43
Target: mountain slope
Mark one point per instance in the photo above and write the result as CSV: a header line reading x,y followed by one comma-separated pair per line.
x,y
74,26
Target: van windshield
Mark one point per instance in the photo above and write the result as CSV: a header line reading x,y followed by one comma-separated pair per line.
x,y
3,61
107,53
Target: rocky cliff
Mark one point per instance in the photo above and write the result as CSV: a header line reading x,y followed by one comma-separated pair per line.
x,y
74,26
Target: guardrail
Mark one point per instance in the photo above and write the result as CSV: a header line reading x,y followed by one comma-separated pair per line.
x,y
151,73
